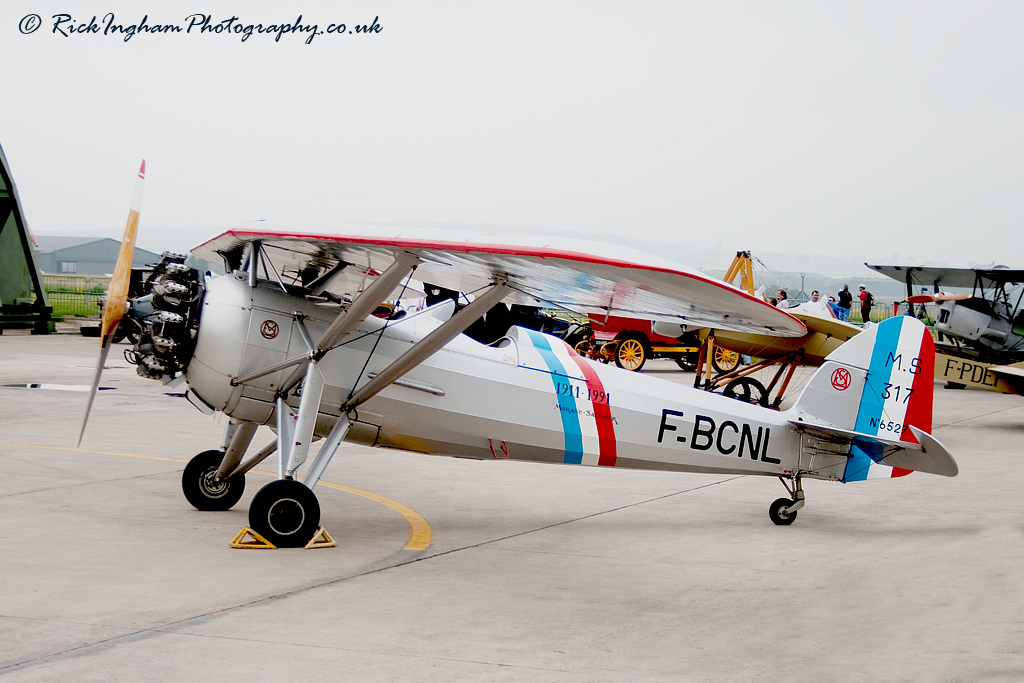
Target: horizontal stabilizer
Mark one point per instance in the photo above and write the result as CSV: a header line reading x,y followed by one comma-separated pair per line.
x,y
928,455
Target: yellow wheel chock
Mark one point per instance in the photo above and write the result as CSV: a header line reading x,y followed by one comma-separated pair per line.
x,y
249,539
321,539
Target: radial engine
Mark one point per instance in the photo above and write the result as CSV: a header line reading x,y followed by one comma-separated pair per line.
x,y
168,315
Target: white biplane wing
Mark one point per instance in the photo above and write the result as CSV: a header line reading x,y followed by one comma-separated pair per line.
x,y
576,275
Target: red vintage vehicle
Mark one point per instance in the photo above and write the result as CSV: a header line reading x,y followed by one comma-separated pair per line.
x,y
629,342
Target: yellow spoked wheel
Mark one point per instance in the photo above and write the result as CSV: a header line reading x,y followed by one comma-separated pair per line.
x,y
724,360
630,354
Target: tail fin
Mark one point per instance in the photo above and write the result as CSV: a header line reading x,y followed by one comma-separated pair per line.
x,y
875,392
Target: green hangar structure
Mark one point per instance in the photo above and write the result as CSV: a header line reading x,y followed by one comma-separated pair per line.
x,y
22,297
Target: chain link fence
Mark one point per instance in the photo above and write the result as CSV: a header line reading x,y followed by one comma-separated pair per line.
x,y
75,295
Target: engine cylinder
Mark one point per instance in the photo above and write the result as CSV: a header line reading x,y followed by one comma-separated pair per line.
x,y
169,317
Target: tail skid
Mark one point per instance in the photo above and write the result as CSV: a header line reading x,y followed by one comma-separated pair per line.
x,y
875,394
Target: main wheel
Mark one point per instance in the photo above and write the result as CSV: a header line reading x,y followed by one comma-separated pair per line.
x,y
724,360
203,490
748,390
286,513
631,353
779,512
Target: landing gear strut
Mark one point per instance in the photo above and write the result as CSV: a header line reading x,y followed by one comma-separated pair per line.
x,y
204,489
783,510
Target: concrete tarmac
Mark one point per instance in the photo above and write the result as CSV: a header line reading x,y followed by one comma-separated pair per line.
x,y
533,572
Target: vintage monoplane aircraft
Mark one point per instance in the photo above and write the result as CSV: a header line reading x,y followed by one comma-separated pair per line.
x,y
985,328
288,338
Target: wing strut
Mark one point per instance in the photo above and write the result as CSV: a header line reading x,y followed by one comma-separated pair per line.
x,y
430,344
312,389
366,302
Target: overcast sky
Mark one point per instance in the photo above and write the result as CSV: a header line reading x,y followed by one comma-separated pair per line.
x,y
879,129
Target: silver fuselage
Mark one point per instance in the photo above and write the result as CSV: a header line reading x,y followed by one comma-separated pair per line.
x,y
507,400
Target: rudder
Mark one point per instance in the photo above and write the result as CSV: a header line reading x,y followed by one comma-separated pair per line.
x,y
878,384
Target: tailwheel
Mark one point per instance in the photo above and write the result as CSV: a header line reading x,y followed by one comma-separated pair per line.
x,y
631,353
203,490
286,513
783,510
780,511
724,360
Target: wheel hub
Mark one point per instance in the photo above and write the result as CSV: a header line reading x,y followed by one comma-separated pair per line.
x,y
286,516
213,487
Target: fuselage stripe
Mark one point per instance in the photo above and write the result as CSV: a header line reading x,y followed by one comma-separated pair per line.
x,y
566,404
602,413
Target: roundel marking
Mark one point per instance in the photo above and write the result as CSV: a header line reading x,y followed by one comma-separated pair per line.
x,y
840,379
269,329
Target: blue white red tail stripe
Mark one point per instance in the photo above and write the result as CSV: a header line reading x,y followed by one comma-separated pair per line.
x,y
897,394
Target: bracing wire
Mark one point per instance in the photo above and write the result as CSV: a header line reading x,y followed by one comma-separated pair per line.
x,y
380,335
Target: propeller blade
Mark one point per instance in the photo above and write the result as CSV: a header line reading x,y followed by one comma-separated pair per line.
x,y
920,299
952,297
117,293
104,350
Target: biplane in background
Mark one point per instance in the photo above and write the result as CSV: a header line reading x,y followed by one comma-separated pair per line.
x,y
981,333
287,338
824,334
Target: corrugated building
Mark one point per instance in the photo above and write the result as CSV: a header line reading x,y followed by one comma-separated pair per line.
x,y
84,255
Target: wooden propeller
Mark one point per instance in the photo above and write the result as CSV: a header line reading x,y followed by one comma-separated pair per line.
x,y
117,293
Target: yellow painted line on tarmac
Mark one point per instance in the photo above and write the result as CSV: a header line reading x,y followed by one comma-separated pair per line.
x,y
419,529
420,533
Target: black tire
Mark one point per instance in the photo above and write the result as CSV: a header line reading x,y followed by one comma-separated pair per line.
x,y
779,512
202,491
631,352
687,362
286,513
748,390
724,360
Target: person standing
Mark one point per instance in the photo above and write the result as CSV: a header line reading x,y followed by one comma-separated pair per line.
x,y
866,302
845,302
